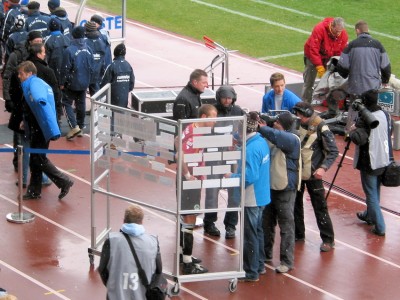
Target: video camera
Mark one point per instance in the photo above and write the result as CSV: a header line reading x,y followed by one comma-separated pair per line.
x,y
271,117
365,114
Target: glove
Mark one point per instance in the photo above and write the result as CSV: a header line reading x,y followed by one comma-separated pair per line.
x,y
320,71
9,106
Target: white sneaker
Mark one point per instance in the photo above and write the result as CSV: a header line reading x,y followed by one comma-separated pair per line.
x,y
73,132
282,269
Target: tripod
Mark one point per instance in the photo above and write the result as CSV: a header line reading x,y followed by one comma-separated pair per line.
x,y
346,148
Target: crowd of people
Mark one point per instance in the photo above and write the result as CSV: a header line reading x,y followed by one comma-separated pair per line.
x,y
72,60
47,58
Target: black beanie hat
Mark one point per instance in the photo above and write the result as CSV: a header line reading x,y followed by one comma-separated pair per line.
x,y
97,19
286,120
34,35
78,32
120,50
54,25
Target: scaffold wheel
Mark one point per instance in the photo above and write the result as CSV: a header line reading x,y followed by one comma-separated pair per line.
x,y
233,285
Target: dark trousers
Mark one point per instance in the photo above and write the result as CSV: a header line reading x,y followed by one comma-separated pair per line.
x,y
316,191
40,163
281,211
231,217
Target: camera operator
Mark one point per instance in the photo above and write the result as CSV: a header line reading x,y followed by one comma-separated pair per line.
x,y
285,155
318,153
371,155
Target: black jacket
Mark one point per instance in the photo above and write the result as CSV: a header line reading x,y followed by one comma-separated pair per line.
x,y
47,74
187,103
12,90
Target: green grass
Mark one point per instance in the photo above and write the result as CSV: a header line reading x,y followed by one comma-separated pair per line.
x,y
241,30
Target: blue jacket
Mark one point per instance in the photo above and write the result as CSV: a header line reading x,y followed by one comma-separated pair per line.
x,y
98,47
15,38
38,22
66,25
40,99
289,100
77,66
257,177
55,45
9,20
285,155
120,75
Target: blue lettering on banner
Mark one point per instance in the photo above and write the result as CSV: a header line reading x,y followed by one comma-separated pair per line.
x,y
110,23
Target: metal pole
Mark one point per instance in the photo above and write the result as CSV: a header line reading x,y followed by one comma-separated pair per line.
x,y
227,65
20,217
339,165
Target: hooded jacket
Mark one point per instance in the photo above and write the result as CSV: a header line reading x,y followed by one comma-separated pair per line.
x,y
257,173
77,66
120,75
98,48
55,45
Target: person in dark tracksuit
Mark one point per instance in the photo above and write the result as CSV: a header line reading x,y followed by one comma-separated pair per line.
x,y
76,75
66,26
98,47
98,19
18,36
36,21
121,77
55,45
285,158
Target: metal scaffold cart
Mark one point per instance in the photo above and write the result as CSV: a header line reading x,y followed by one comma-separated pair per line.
x,y
138,148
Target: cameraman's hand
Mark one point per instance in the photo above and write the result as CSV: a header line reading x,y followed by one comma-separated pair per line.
x,y
319,173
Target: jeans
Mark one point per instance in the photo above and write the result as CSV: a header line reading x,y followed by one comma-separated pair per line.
x,y
371,185
281,211
316,191
79,97
253,252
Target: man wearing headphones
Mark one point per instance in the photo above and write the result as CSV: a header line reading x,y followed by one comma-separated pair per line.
x,y
318,153
225,98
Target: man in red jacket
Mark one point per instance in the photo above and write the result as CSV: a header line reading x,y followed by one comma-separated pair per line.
x,y
327,39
